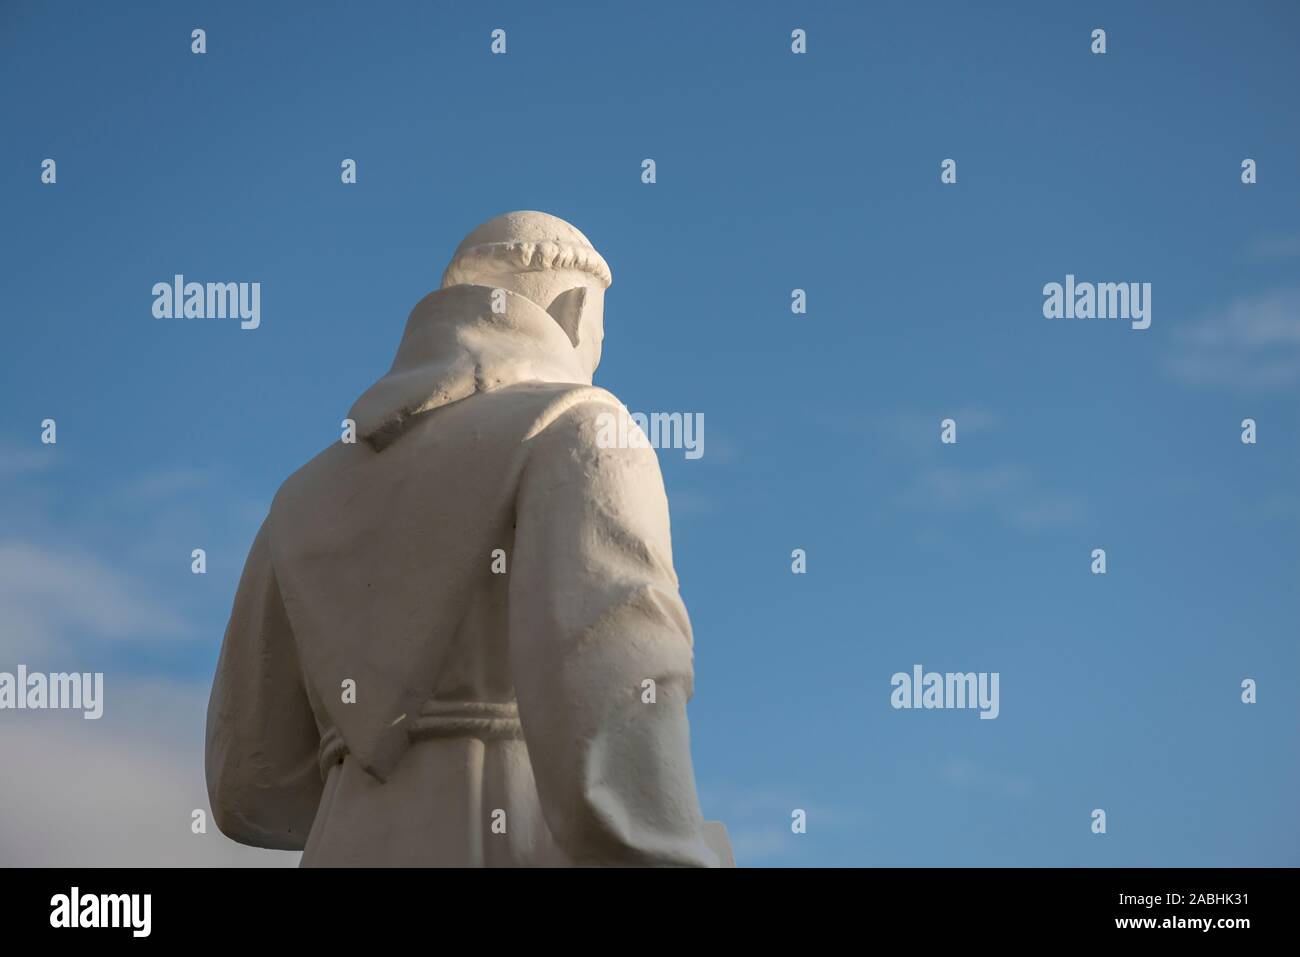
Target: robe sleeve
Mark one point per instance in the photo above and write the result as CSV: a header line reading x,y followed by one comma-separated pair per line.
x,y
594,615
263,775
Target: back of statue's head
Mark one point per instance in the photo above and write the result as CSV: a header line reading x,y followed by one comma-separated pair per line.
x,y
524,241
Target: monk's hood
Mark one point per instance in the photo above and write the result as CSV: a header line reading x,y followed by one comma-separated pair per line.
x,y
455,345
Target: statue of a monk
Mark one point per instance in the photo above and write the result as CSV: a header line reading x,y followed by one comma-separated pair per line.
x,y
458,639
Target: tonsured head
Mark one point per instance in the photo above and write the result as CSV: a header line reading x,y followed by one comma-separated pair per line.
x,y
546,260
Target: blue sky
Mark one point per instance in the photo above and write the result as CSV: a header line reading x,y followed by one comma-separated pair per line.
x,y
774,172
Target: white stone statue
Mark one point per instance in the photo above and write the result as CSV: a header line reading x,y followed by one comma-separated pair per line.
x,y
459,640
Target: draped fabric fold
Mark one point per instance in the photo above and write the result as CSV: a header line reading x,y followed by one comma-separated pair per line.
x,y
441,642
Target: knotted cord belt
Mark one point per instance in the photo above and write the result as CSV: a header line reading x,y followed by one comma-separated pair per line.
x,y
487,720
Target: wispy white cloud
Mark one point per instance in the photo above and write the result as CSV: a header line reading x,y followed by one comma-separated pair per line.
x,y
758,822
119,791
687,502
966,775
53,600
966,487
18,460
762,845
1008,491
1275,247
1252,344
1044,511
920,430
165,482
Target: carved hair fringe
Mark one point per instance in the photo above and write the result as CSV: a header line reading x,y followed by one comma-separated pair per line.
x,y
533,257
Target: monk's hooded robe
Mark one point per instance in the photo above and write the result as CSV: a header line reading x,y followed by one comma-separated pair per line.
x,y
384,696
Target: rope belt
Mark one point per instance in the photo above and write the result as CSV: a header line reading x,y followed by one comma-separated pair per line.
x,y
487,720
